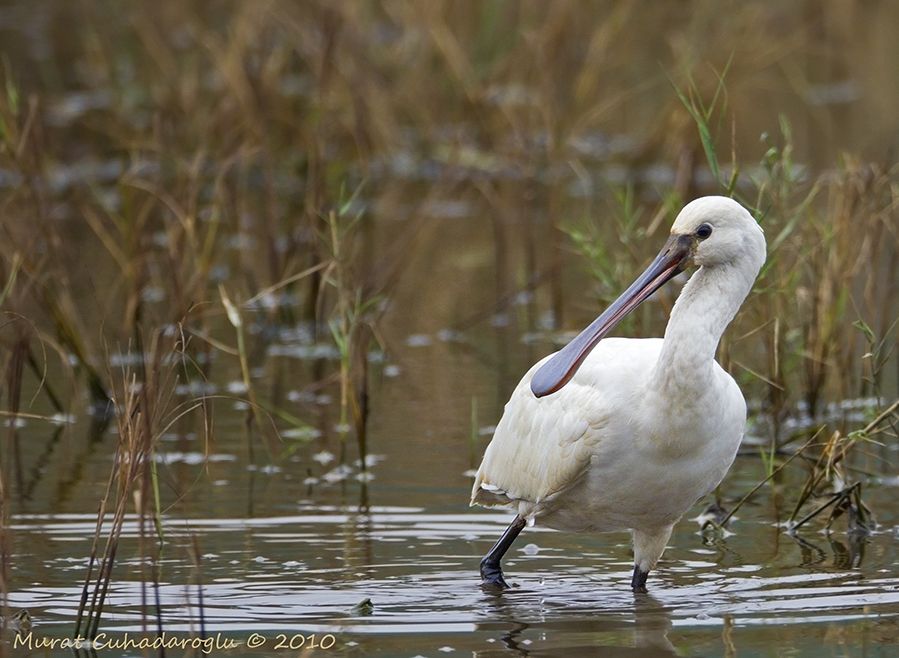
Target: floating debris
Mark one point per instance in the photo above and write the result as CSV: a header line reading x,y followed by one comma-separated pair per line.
x,y
301,333
447,209
191,458
152,295
305,352
307,397
338,474
418,340
22,621
523,298
301,433
449,336
370,461
324,457
196,388
364,607
236,387
268,469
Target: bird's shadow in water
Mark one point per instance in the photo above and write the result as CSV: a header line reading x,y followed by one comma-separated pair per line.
x,y
637,627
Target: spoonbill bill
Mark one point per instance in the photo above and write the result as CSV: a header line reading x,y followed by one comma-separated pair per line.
x,y
627,434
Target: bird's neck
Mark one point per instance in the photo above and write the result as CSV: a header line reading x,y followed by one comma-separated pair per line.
x,y
706,305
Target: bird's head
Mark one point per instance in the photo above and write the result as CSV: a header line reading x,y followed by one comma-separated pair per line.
x,y
716,231
712,231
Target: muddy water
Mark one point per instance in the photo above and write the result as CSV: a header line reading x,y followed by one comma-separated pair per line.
x,y
305,572
293,547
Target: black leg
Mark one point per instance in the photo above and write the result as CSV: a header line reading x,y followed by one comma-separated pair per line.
x,y
491,571
638,580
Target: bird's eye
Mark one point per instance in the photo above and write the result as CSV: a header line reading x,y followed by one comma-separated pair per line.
x,y
703,231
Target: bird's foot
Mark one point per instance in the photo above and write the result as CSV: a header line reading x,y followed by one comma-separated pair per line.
x,y
492,575
638,580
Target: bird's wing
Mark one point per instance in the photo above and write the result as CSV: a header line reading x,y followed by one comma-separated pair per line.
x,y
541,446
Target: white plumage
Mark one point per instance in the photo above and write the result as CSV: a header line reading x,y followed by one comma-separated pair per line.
x,y
641,428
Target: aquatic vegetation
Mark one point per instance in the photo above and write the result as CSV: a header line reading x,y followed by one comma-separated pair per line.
x,y
145,408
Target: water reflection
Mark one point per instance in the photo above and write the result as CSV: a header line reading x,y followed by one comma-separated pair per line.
x,y
846,555
641,630
312,570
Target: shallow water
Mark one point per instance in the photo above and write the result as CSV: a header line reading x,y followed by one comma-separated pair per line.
x,y
305,573
294,544
293,547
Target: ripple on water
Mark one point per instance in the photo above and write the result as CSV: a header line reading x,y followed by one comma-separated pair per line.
x,y
307,571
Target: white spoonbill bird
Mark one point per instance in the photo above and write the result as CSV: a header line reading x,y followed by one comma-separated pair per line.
x,y
617,433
